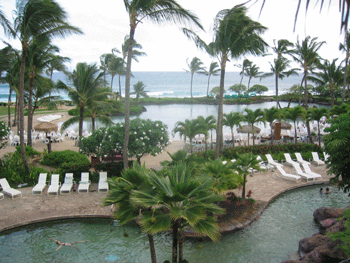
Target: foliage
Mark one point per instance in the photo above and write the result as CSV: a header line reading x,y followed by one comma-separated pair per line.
x,y
258,89
343,236
112,168
30,151
238,88
216,91
4,132
73,112
76,167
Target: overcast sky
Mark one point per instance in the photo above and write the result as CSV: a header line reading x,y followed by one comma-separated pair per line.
x,y
105,23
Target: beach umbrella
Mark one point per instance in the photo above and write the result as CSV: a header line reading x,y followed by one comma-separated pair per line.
x,y
284,125
248,129
46,127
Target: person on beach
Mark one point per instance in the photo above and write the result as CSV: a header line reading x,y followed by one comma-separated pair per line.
x,y
66,244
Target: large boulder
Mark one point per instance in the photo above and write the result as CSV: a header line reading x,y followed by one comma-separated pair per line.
x,y
324,213
327,253
328,223
308,244
337,227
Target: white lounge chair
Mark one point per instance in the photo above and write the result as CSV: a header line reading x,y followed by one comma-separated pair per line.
x,y
316,159
55,184
301,173
283,172
289,159
265,166
308,171
300,159
102,183
1,196
271,161
67,184
84,183
7,190
41,185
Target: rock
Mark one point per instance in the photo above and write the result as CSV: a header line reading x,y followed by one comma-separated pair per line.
x,y
337,227
328,222
308,244
323,213
290,261
327,253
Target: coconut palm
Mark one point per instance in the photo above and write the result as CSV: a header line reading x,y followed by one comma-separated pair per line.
x,y
179,200
231,120
244,164
252,72
34,19
271,115
139,90
115,67
246,63
104,60
88,86
195,66
188,129
329,75
253,117
345,48
294,114
212,71
161,12
316,114
206,124
282,47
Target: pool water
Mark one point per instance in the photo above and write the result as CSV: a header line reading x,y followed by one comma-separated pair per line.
x,y
270,239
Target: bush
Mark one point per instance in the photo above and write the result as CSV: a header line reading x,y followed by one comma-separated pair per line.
x,y
57,158
75,167
73,112
30,152
113,169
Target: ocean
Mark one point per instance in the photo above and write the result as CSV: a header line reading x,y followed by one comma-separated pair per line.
x,y
176,84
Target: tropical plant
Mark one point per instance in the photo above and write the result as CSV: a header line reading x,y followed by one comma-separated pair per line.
x,y
257,88
36,19
139,90
216,91
4,132
163,11
246,63
238,88
195,66
316,114
252,72
115,67
206,125
271,115
294,114
188,129
231,120
212,71
244,165
345,48
253,117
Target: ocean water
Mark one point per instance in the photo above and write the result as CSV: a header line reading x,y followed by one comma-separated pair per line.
x,y
176,84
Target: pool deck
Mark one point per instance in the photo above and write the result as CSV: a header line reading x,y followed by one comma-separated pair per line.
x,y
265,186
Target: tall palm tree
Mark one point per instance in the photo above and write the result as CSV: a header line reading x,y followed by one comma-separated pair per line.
x,y
104,61
188,129
179,200
206,124
88,86
139,90
231,120
316,114
212,71
345,48
294,114
195,66
253,117
161,12
252,72
329,75
279,70
246,63
33,19
271,115
282,47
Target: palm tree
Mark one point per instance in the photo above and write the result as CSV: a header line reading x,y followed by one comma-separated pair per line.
x,y
231,120
115,67
88,86
316,114
252,72
345,48
282,47
212,71
279,70
179,200
121,189
162,11
34,19
244,164
188,129
330,75
195,66
244,66
104,60
293,114
253,117
206,124
139,90
270,116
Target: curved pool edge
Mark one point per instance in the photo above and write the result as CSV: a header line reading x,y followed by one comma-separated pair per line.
x,y
230,227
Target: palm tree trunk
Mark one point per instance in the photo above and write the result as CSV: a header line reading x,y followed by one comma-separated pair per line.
x,y
81,121
253,134
21,106
277,98
332,95
272,135
295,133
152,248
9,108
120,87
233,138
190,145
112,82
244,182
175,241
346,69
248,138
127,95
93,123
219,141
306,93
319,137
250,78
15,117
208,86
191,85
181,245
30,116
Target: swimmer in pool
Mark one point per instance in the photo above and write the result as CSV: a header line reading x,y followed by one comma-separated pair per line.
x,y
66,244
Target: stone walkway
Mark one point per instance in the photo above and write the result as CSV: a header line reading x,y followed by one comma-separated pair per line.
x,y
35,208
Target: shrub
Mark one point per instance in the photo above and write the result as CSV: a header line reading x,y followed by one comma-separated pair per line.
x,y
57,158
113,169
73,112
29,151
75,167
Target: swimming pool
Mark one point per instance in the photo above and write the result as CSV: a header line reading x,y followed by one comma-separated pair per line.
x,y
270,239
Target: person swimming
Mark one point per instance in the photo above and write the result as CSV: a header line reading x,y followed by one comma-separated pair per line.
x,y
62,244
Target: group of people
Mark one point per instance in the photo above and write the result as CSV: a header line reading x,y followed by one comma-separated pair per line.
x,y
327,191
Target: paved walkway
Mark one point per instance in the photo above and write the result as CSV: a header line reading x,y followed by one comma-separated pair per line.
x,y
35,208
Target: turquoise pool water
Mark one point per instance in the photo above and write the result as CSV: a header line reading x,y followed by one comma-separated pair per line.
x,y
270,239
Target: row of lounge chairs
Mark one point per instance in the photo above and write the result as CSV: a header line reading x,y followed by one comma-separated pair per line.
x,y
55,186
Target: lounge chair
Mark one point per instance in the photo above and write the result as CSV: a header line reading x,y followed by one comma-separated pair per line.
x,y
55,184
271,161
1,196
308,171
284,174
84,183
316,159
41,185
301,173
265,166
289,159
102,183
301,160
68,184
7,190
